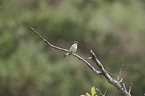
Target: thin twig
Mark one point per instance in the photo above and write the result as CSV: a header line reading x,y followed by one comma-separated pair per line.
x,y
120,80
120,72
130,88
124,86
65,50
105,92
87,58
101,92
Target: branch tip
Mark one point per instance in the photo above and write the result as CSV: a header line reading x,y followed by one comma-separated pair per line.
x,y
120,72
130,87
105,92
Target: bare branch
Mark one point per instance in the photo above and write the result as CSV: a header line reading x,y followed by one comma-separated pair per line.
x,y
124,86
120,72
105,92
98,63
89,58
47,41
120,80
101,92
89,65
65,50
107,76
112,74
130,88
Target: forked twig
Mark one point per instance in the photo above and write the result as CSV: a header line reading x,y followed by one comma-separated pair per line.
x,y
101,92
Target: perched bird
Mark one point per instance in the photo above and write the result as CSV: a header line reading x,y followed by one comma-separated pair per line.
x,y
73,48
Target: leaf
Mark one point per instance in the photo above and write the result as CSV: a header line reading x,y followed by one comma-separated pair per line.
x,y
93,91
87,94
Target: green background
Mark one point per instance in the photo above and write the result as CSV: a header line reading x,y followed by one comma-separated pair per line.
x,y
113,29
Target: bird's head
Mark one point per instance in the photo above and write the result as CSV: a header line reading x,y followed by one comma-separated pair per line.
x,y
76,42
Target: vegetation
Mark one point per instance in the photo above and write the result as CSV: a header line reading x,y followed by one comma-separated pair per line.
x,y
114,29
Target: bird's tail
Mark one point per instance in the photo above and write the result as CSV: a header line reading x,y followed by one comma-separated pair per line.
x,y
66,54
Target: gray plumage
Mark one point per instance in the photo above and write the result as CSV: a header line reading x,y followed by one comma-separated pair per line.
x,y
73,48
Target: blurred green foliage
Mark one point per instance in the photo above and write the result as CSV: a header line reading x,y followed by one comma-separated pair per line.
x,y
114,29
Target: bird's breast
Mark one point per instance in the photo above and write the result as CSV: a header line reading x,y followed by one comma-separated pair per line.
x,y
73,48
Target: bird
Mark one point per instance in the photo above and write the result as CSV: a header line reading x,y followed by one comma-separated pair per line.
x,y
73,48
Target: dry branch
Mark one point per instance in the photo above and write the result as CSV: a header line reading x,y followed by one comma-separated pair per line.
x,y
102,71
65,50
108,77
101,92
